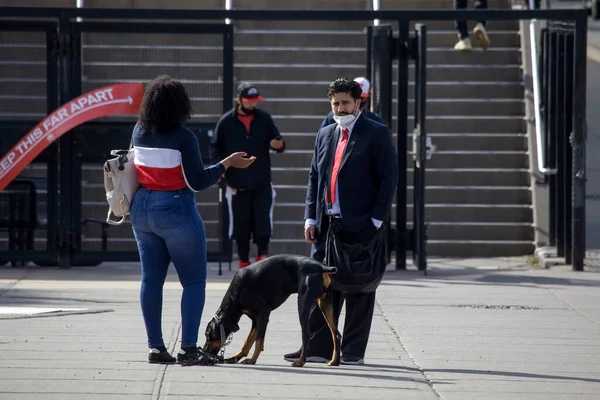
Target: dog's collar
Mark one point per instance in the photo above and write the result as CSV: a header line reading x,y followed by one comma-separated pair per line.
x,y
223,320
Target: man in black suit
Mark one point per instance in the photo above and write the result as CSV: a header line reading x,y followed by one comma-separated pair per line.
x,y
351,186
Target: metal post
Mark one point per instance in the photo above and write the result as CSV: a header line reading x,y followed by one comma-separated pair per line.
x,y
551,140
568,159
422,156
376,6
66,149
402,130
578,139
560,140
225,247
52,89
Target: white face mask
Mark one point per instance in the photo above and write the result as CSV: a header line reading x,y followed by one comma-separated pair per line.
x,y
344,120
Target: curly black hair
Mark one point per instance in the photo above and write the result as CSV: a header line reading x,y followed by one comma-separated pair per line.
x,y
345,85
165,106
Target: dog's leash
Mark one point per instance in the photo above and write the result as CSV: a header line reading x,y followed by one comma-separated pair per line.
x,y
225,341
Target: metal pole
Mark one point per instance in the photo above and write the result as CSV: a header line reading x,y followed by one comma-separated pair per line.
x,y
551,143
560,140
568,161
79,5
376,6
578,139
422,156
401,128
228,6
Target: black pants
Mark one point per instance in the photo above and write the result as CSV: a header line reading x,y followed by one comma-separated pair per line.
x,y
461,26
251,211
359,306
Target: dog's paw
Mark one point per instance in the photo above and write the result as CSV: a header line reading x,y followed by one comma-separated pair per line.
x,y
249,361
298,363
231,360
334,363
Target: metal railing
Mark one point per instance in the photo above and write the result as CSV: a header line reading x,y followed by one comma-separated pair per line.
x,y
539,132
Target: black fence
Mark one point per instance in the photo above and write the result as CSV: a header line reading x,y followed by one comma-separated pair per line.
x,y
563,145
62,171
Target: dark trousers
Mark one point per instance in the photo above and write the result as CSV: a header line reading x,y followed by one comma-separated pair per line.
x,y
359,306
252,220
461,26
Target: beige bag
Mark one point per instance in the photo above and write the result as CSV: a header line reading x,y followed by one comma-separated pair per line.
x,y
121,184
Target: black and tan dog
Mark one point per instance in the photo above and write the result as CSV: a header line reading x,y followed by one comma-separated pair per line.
x,y
261,288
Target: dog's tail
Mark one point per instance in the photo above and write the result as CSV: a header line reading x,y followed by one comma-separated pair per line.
x,y
329,270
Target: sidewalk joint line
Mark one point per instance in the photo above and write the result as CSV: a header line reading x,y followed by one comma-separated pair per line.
x,y
162,370
399,339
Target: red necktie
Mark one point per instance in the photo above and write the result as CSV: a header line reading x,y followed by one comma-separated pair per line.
x,y
337,162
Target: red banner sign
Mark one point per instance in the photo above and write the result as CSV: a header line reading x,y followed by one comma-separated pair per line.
x,y
117,99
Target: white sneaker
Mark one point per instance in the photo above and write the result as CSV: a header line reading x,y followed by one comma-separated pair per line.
x,y
463,45
482,37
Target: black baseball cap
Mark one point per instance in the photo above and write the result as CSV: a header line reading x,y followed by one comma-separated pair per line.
x,y
249,92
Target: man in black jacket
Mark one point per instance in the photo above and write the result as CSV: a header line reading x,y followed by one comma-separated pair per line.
x,y
250,195
351,186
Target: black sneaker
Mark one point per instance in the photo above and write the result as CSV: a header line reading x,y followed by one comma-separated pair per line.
x,y
291,357
160,356
196,357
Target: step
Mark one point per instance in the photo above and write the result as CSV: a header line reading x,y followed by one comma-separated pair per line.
x,y
441,159
438,231
26,70
327,73
208,68
480,231
40,3
434,124
360,25
325,55
434,212
308,88
442,141
300,5
459,213
328,55
288,193
185,4
476,248
435,177
463,249
466,106
473,194
432,4
103,42
352,39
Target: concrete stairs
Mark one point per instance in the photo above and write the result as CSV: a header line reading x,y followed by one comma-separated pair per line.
x,y
478,200
478,197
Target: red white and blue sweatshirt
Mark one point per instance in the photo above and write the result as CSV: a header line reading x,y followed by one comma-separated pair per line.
x,y
172,161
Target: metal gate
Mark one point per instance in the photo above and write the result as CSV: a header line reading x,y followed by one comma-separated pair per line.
x,y
28,92
383,50
55,212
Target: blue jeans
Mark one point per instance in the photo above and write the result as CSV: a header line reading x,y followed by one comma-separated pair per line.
x,y
168,227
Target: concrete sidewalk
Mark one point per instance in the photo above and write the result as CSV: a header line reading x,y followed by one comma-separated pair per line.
x,y
470,329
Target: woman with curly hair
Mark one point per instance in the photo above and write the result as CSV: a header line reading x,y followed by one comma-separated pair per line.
x,y
164,217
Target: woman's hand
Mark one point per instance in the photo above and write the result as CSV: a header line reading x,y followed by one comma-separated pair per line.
x,y
238,160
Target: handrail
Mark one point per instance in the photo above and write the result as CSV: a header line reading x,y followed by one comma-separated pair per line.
x,y
376,6
541,156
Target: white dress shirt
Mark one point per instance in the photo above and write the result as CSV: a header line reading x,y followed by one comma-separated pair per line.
x,y
335,207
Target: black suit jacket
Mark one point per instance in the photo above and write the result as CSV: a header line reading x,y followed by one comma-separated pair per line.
x,y
367,178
